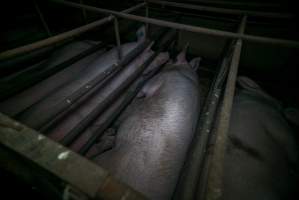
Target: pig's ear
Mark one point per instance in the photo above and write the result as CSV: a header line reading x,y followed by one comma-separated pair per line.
x,y
195,62
181,57
140,33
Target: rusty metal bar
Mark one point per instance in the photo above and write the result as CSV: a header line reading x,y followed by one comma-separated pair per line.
x,y
222,10
215,173
117,38
196,29
61,37
68,166
42,19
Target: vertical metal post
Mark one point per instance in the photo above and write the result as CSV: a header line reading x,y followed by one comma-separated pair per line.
x,y
215,184
117,37
42,19
83,12
147,15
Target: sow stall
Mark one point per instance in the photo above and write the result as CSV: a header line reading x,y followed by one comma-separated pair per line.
x,y
63,173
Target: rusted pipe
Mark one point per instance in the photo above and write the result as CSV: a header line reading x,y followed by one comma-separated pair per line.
x,y
196,29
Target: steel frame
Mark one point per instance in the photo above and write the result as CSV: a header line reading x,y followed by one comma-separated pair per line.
x,y
222,10
61,37
184,27
104,186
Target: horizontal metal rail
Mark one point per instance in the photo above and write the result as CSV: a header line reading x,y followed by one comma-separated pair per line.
x,y
72,169
236,3
61,37
19,83
222,10
184,27
109,98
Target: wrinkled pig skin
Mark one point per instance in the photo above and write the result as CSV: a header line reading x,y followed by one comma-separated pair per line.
x,y
153,136
36,116
262,157
28,97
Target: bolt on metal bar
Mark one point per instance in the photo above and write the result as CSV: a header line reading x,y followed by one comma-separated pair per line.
x,y
42,19
117,38
196,29
61,37
222,10
215,174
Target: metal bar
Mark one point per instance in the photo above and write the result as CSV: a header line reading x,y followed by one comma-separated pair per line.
x,y
129,94
218,18
187,187
147,15
134,8
42,19
68,166
236,3
222,10
18,83
83,13
117,38
53,40
196,29
83,93
61,37
215,173
76,131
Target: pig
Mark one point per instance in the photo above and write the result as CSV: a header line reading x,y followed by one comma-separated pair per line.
x,y
155,131
261,159
78,115
20,102
41,112
116,107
